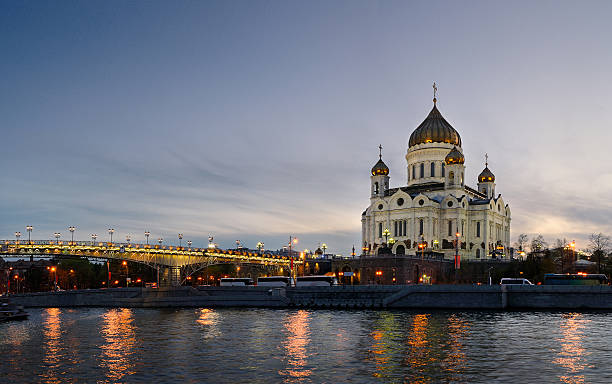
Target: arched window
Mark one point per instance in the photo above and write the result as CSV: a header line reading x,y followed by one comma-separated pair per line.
x,y
413,172
443,169
376,188
450,227
422,170
478,253
461,178
420,226
478,229
432,171
451,178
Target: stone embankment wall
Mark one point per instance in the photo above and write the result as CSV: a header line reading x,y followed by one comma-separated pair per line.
x,y
373,296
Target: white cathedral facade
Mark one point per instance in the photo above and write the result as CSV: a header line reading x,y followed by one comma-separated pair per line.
x,y
436,207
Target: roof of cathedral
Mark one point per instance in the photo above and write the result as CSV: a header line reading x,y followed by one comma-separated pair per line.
x,y
454,157
486,175
435,129
380,168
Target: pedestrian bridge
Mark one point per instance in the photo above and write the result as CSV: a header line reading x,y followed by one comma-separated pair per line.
x,y
181,261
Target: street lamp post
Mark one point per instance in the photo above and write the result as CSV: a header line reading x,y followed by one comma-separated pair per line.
x,y
292,241
180,236
54,270
128,238
127,275
189,243
260,246
29,228
71,229
57,237
110,232
147,234
160,241
386,234
17,236
573,245
93,239
457,256
323,247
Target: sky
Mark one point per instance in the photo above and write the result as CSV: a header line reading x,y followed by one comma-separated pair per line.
x,y
257,120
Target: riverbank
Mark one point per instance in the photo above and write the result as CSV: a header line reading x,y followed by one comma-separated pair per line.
x,y
372,296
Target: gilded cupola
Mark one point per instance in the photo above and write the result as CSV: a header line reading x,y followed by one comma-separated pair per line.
x,y
454,157
435,129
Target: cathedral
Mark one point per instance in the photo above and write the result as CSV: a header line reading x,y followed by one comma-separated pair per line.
x,y
436,212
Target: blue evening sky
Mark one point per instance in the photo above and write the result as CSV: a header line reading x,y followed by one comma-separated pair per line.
x,y
256,120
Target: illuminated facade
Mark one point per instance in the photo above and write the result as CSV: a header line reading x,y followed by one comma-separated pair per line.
x,y
435,207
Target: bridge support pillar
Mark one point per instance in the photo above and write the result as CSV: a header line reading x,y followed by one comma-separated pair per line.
x,y
175,276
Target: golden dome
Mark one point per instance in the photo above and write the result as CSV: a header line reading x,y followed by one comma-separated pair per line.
x,y
380,168
486,176
435,129
454,157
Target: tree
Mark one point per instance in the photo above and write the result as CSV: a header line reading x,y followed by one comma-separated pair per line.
x,y
521,242
538,244
559,254
599,245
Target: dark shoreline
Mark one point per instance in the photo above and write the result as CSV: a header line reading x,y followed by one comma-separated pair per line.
x,y
448,297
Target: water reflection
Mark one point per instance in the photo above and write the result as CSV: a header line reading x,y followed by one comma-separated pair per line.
x,y
383,344
118,333
572,356
298,337
52,345
209,320
455,361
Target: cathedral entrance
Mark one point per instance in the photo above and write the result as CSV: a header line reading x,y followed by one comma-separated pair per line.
x,y
400,250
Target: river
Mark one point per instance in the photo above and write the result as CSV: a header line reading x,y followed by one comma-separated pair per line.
x,y
101,345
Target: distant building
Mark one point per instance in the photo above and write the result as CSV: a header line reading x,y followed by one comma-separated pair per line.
x,y
435,208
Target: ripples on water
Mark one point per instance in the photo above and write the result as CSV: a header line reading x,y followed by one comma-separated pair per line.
x,y
303,346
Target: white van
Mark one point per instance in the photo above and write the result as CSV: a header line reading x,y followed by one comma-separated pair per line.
x,y
515,281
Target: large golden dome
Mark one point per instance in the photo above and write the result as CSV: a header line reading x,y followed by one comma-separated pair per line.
x,y
435,129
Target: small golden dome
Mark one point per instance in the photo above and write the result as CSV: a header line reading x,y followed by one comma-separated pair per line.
x,y
486,176
380,168
454,157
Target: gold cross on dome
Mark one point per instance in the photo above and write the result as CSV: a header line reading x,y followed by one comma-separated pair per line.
x,y
435,88
486,159
380,151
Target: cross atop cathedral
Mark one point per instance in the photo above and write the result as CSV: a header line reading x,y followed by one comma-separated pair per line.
x,y
435,88
486,159
380,151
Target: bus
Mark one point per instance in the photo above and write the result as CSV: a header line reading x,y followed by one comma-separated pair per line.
x,y
575,279
316,281
275,281
236,282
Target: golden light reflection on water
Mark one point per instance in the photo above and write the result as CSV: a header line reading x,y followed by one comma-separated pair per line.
x,y
52,345
298,337
455,360
382,346
572,355
118,333
419,355
209,320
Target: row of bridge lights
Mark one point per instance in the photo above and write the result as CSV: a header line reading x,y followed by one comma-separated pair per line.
x,y
111,231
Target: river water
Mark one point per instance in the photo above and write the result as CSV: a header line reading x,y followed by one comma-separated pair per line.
x,y
305,346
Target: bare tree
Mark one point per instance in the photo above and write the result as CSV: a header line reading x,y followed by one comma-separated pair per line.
x,y
538,244
599,245
522,241
560,255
